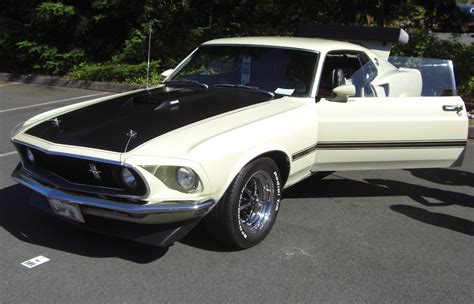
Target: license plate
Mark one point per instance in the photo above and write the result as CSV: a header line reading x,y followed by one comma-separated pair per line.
x,y
66,209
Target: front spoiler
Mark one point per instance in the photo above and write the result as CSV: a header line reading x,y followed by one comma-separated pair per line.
x,y
158,235
161,213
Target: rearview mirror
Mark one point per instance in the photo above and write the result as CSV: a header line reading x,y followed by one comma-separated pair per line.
x,y
167,73
342,92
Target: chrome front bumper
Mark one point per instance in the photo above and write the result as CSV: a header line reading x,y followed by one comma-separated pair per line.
x,y
159,213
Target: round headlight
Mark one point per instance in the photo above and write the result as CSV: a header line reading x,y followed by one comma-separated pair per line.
x,y
187,179
128,178
30,156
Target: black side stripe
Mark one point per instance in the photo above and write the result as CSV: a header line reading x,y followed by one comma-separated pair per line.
x,y
378,145
389,144
303,152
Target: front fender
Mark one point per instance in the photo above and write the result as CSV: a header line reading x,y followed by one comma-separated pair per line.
x,y
224,156
244,160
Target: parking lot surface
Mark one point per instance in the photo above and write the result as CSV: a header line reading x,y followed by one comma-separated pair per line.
x,y
398,236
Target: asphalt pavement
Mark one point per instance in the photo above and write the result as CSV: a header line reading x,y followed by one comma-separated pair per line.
x,y
398,236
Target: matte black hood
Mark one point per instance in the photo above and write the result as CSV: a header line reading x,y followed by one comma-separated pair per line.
x,y
150,114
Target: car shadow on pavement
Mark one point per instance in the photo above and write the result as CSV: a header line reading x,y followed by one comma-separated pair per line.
x,y
33,226
201,239
426,196
315,187
450,177
436,219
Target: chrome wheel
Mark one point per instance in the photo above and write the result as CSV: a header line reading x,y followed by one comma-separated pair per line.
x,y
247,211
257,202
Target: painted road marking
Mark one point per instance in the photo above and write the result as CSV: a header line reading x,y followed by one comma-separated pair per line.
x,y
8,153
35,261
51,102
9,84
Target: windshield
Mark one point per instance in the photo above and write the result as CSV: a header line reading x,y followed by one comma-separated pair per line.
x,y
281,71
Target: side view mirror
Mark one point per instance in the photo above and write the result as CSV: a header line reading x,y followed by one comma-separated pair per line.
x,y
167,73
342,92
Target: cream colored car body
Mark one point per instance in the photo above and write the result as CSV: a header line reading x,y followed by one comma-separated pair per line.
x,y
308,133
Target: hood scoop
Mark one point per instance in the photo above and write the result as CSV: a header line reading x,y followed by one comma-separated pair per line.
x,y
162,105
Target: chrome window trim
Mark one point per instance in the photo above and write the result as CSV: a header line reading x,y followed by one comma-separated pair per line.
x,y
313,80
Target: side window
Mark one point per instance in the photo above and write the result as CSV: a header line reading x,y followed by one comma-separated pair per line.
x,y
363,78
344,67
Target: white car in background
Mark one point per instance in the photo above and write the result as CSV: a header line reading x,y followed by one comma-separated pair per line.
x,y
235,123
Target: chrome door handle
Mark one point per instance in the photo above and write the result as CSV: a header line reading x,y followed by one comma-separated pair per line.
x,y
457,108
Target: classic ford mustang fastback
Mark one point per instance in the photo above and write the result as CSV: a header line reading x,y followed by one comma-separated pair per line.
x,y
235,123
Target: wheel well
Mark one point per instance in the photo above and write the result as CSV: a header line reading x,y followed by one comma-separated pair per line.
x,y
282,161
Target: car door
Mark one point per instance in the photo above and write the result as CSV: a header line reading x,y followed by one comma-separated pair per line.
x,y
377,132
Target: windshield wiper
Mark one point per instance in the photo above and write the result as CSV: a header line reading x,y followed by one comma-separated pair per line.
x,y
244,87
186,82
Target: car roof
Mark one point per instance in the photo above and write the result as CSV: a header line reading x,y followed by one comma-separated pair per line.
x,y
313,44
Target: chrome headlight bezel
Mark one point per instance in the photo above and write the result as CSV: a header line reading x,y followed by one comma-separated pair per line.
x,y
128,179
187,179
168,175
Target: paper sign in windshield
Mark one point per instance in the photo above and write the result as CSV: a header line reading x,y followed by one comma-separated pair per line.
x,y
284,91
245,73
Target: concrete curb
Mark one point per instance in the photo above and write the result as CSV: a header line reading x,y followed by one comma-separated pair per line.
x,y
71,83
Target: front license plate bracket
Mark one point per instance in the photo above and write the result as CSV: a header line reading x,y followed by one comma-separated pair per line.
x,y
66,209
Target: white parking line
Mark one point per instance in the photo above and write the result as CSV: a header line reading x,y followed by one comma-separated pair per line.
x,y
8,153
9,84
51,102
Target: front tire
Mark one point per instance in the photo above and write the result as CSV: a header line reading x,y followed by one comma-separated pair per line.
x,y
246,213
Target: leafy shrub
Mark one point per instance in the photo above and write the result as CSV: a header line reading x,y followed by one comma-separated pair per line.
x,y
54,11
118,72
41,58
135,48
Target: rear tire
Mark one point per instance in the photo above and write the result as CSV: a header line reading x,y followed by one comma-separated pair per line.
x,y
246,213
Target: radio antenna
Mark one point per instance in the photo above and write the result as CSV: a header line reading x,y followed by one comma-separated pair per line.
x,y
148,63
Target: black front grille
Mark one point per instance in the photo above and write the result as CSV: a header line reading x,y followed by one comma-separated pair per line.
x,y
79,172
